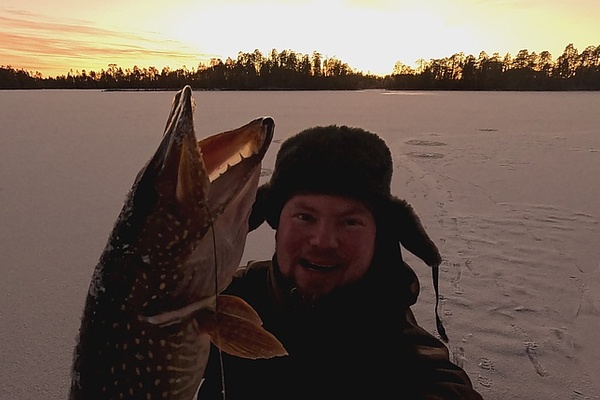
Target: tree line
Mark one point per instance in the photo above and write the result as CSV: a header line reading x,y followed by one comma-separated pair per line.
x,y
290,70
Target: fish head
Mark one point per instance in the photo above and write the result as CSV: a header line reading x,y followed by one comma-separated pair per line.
x,y
165,239
233,159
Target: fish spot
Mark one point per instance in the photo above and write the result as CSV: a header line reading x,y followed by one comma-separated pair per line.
x,y
157,382
169,356
162,286
124,367
151,355
137,371
165,395
159,367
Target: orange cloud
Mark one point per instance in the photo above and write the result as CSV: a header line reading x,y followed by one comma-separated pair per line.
x,y
32,42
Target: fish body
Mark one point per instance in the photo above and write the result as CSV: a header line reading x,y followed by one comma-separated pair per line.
x,y
153,308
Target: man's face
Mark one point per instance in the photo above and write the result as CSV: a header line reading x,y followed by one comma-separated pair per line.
x,y
324,242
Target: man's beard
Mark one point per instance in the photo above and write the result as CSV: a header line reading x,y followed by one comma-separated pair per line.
x,y
300,300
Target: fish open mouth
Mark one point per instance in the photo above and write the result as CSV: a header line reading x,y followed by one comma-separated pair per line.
x,y
239,148
213,168
231,157
224,153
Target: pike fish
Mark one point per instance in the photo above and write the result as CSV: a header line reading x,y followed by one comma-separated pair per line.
x,y
153,305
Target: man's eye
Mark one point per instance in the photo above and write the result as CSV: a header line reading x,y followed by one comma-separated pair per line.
x,y
304,217
352,222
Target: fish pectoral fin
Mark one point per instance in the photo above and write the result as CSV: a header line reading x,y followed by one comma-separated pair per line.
x,y
238,331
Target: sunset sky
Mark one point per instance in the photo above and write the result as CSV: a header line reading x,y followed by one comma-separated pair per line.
x,y
54,36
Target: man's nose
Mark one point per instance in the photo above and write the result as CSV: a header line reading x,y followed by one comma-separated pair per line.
x,y
324,235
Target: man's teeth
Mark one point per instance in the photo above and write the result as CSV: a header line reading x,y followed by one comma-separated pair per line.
x,y
320,267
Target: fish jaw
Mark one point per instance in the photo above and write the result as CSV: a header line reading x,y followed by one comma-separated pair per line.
x,y
231,209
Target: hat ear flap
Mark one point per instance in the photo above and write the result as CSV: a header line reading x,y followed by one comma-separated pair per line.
x,y
411,233
259,208
412,236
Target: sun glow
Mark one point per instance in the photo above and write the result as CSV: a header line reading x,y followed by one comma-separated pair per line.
x,y
369,40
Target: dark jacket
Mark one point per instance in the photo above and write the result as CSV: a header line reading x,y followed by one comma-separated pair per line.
x,y
360,342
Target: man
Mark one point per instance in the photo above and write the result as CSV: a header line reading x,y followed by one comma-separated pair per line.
x,y
337,293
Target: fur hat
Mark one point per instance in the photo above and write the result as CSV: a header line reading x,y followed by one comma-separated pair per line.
x,y
345,161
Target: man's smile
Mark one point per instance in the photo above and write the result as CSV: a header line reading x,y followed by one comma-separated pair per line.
x,y
318,267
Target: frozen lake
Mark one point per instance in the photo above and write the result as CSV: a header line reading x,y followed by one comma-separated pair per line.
x,y
485,170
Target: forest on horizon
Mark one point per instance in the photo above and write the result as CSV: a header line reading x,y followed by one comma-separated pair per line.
x,y
289,70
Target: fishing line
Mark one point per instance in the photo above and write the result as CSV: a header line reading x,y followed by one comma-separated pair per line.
x,y
216,330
